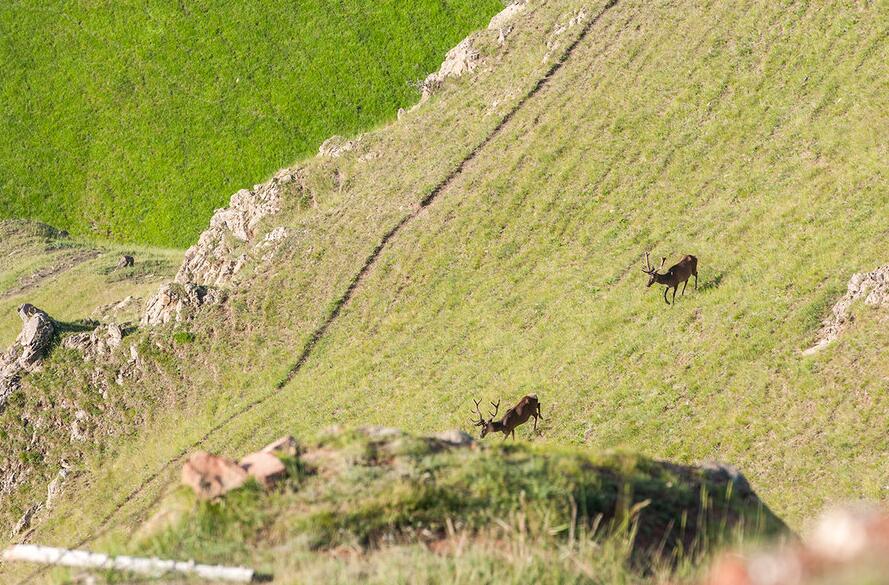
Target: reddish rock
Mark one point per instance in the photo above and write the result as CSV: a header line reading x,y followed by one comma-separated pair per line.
x,y
211,476
265,467
286,445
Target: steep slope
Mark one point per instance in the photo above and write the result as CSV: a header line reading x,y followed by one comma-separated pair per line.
x,y
487,244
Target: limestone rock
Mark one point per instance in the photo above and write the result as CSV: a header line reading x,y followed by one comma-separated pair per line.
x,y
336,146
27,350
458,61
872,287
25,521
179,302
502,18
99,343
211,476
213,260
265,467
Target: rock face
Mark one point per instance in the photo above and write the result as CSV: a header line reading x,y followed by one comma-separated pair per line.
x,y
873,287
222,251
336,146
212,260
26,351
179,302
459,60
211,476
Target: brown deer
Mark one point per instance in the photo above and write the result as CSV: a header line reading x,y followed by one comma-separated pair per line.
x,y
678,274
519,414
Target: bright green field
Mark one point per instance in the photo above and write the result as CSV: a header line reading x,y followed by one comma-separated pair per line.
x,y
134,120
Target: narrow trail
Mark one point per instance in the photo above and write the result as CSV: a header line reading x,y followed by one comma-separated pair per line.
x,y
105,524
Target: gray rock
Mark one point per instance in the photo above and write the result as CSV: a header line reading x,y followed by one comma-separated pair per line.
x,y
25,521
100,343
872,287
27,350
179,302
125,261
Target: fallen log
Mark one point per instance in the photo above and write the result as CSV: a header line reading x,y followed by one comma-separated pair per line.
x,y
145,566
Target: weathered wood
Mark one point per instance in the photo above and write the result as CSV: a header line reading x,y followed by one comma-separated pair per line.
x,y
146,566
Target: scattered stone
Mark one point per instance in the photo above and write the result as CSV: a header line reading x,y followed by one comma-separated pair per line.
x,y
125,262
211,476
25,521
873,287
179,302
55,486
27,350
265,467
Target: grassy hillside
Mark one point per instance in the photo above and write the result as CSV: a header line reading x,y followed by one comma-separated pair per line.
x,y
488,244
72,279
134,120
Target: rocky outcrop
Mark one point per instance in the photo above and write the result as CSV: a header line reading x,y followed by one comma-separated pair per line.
x,y
459,60
223,249
216,258
27,350
872,287
97,344
336,146
179,302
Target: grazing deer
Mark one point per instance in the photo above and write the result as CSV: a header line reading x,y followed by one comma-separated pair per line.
x,y
678,274
519,414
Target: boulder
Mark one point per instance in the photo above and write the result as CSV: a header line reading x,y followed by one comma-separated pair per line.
x,y
27,350
454,438
125,261
99,343
286,445
265,467
211,476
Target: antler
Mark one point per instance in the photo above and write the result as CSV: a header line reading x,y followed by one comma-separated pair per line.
x,y
481,419
496,408
663,261
647,268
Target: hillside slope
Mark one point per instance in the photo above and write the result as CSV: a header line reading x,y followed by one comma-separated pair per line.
x,y
133,121
487,244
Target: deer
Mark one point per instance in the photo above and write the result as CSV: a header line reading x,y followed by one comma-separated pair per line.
x,y
678,274
517,415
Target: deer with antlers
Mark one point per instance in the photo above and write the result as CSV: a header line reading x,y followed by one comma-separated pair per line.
x,y
517,415
678,274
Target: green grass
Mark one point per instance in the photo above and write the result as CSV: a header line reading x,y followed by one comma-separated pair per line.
x,y
134,120
751,135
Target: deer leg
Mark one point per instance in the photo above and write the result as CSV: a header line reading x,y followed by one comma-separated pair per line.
x,y
675,288
696,281
684,284
665,295
535,423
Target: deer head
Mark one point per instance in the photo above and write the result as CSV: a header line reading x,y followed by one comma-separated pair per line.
x,y
487,426
652,272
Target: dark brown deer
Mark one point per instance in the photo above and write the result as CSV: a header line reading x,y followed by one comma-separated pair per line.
x,y
678,274
519,414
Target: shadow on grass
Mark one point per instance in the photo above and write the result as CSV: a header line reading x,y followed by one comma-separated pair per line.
x,y
712,283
